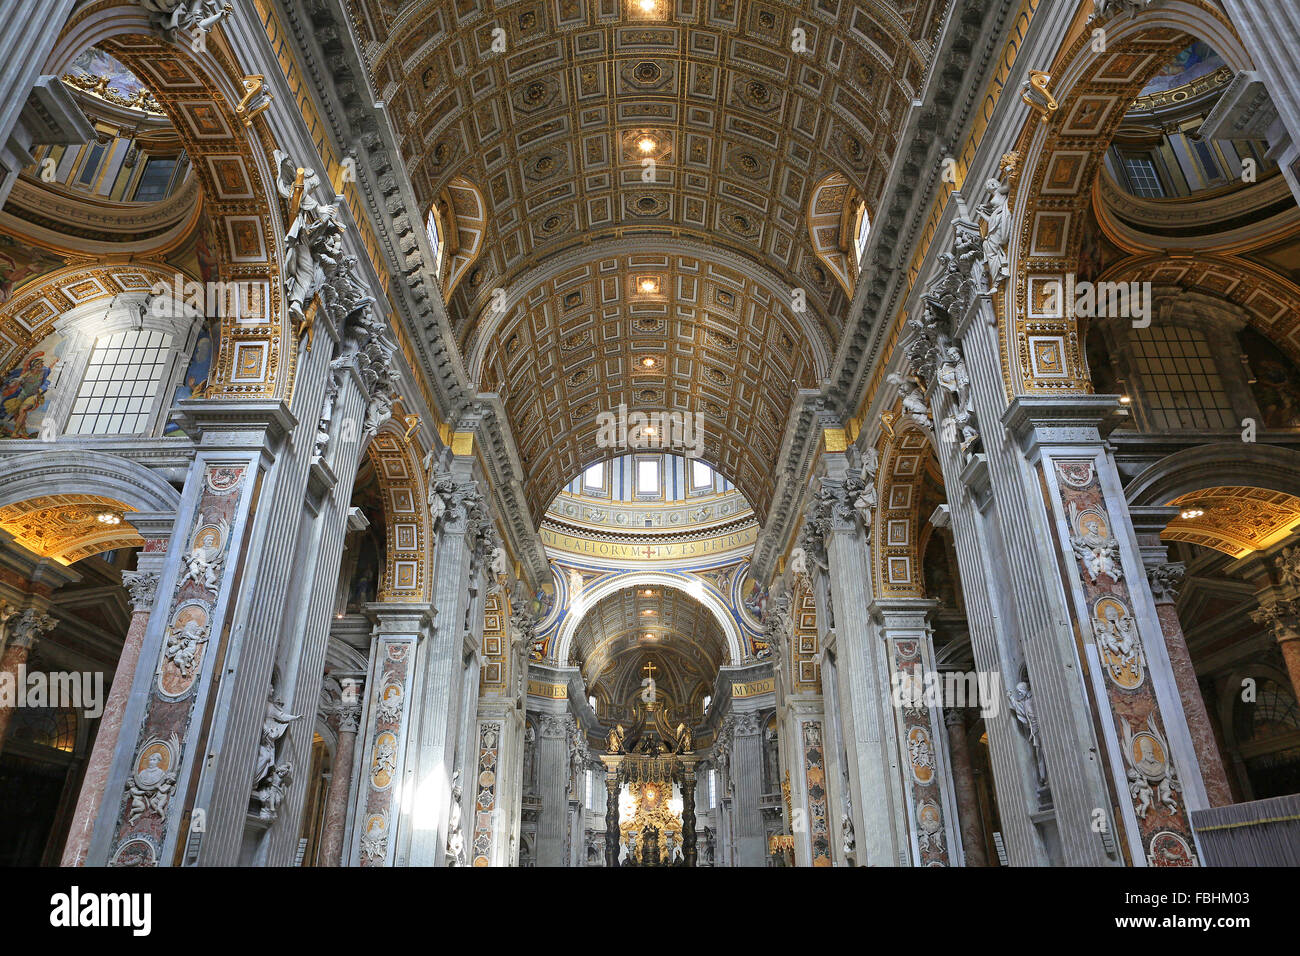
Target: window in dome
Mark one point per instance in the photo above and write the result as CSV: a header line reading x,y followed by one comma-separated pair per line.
x,y
701,475
593,479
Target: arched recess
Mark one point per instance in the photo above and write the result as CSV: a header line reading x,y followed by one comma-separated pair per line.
x,y
895,533
29,316
467,220
832,216
50,502
199,91
1043,349
408,547
648,326
1221,464
1270,302
692,587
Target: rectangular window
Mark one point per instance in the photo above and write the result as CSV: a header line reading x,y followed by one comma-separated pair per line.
x,y
155,179
118,389
1181,385
701,475
593,479
713,788
588,789
1142,176
647,476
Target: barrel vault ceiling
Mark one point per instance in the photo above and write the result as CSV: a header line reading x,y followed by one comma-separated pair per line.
x,y
684,642
553,131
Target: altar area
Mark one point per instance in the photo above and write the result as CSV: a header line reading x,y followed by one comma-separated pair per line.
x,y
650,810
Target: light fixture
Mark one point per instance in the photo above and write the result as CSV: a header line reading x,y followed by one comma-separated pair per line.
x,y
647,6
648,611
646,144
1187,514
1125,400
649,431
649,636
109,518
648,362
648,593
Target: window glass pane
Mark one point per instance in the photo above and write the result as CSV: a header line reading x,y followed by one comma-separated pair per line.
x,y
117,391
864,231
594,476
1182,388
701,475
647,477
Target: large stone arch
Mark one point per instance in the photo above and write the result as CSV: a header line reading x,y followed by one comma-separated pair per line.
x,y
200,91
1221,464
50,503
690,585
1043,350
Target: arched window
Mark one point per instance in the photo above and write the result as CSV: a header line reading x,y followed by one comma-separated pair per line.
x,y
862,231
433,226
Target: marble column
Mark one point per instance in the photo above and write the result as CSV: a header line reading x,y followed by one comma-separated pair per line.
x,y
442,671
143,587
24,631
1271,32
552,787
689,851
963,785
1165,580
748,833
931,805
340,790
611,811
862,684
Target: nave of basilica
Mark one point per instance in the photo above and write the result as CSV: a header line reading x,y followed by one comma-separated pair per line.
x,y
649,433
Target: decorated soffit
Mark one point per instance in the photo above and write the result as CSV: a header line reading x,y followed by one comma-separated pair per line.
x,y
1235,520
68,528
743,126
687,642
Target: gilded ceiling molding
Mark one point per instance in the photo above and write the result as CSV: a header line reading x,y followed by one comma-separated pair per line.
x,y
1042,347
492,318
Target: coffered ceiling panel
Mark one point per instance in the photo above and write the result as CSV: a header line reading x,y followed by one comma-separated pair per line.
x,y
545,104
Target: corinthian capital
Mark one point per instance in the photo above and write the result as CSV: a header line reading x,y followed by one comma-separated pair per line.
x,y
28,628
143,586
1282,617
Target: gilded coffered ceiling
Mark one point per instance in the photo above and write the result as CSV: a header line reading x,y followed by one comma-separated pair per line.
x,y
598,125
686,644
68,528
650,332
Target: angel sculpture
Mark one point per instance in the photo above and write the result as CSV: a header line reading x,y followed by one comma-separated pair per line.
x,y
182,648
202,564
